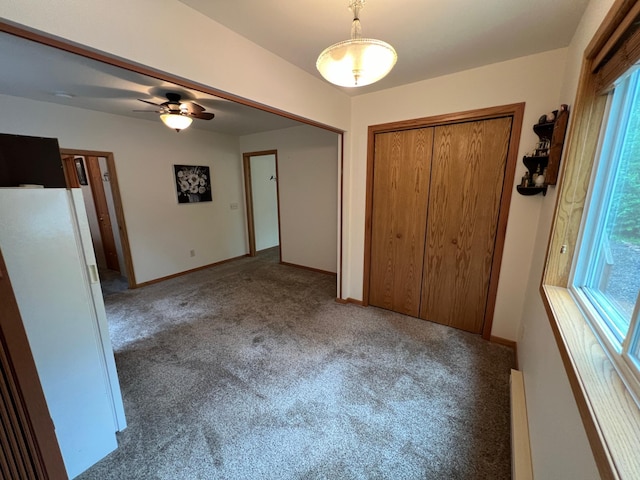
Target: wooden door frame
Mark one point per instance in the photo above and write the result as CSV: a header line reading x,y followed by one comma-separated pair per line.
x,y
248,191
95,180
70,176
34,445
117,201
516,111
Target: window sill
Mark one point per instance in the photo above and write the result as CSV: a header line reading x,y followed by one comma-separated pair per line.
x,y
609,413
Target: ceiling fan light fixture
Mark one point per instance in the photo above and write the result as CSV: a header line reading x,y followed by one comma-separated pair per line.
x,y
358,61
176,121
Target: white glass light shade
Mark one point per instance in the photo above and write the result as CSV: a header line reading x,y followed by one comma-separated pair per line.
x,y
356,62
176,121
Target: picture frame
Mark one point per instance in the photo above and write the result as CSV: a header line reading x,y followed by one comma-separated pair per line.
x,y
193,183
80,171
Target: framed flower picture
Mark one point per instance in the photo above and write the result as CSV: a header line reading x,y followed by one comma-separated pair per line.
x,y
193,183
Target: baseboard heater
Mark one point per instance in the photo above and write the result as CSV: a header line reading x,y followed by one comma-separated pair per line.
x,y
521,467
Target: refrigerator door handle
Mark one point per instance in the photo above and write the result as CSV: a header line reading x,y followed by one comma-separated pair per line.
x,y
93,274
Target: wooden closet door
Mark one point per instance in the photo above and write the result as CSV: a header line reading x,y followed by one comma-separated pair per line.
x,y
466,187
402,162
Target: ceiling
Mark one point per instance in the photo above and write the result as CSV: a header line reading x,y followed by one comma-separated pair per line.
x,y
50,75
432,38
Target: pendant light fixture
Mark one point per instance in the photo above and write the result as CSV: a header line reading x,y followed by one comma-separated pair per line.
x,y
358,61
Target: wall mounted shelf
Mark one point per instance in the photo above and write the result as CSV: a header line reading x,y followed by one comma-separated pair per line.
x,y
532,190
552,134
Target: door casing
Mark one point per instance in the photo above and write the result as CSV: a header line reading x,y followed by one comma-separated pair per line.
x,y
117,200
102,212
251,231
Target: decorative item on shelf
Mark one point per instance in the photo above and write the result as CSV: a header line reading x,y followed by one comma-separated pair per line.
x,y
542,148
535,175
544,161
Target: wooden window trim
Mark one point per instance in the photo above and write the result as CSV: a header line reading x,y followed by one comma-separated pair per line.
x,y
610,416
609,413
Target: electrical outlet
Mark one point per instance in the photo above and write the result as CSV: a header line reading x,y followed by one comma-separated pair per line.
x,y
192,253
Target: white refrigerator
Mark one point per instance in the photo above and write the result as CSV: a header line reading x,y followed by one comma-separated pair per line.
x,y
46,243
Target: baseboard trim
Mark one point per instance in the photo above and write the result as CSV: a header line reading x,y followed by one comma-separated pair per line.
x,y
311,269
504,341
186,272
353,301
521,465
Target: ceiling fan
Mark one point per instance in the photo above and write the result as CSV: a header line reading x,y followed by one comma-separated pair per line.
x,y
176,114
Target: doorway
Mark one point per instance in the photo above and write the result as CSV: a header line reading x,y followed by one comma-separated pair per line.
x,y
94,173
438,195
262,200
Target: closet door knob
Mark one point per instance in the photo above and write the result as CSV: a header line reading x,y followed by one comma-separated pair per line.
x,y
454,241
398,235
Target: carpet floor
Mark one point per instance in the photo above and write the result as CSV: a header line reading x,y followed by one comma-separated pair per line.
x,y
251,370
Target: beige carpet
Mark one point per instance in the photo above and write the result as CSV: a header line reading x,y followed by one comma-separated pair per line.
x,y
251,370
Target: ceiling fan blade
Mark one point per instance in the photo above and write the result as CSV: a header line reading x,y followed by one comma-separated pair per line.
x,y
150,103
148,111
202,115
194,107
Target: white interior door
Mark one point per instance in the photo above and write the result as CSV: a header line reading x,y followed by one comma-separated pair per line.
x,y
265,201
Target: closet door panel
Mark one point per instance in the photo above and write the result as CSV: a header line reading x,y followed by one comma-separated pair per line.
x,y
402,163
466,187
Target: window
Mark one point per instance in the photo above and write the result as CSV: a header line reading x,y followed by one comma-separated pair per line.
x,y
588,285
606,279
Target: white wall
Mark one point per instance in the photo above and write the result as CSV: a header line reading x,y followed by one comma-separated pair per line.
x,y
559,445
161,231
534,80
265,201
307,183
